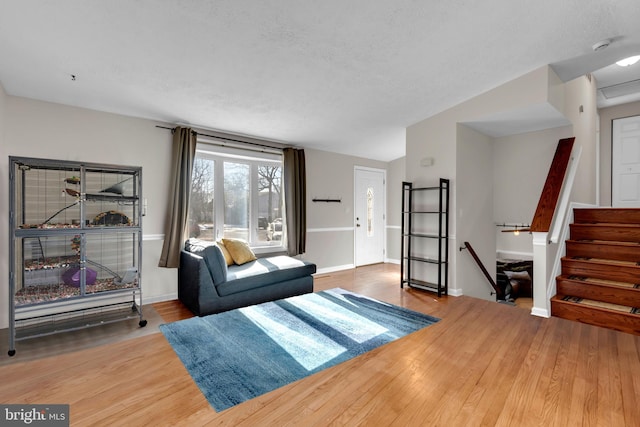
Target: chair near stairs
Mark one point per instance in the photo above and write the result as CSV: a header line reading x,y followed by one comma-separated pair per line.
x,y
600,280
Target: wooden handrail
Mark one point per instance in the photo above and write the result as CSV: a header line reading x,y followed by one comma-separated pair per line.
x,y
543,217
499,292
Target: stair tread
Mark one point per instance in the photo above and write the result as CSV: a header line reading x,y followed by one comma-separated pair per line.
x,y
598,304
604,242
605,224
604,261
600,281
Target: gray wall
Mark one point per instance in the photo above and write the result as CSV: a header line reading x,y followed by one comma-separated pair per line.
x,y
3,97
436,137
4,215
395,176
474,209
443,138
519,174
581,110
330,226
40,129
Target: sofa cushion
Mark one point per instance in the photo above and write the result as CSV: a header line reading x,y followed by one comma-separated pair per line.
x,y
263,272
213,257
239,250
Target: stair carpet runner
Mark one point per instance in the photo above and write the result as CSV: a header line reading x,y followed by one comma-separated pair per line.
x,y
603,304
600,280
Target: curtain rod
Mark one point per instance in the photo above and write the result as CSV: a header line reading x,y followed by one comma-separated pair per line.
x,y
226,139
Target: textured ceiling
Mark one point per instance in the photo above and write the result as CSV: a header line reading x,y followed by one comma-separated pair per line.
x,y
341,76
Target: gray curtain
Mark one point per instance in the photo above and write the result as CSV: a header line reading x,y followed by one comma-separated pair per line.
x,y
184,151
295,196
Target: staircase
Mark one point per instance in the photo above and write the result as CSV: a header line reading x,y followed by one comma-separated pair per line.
x,y
600,280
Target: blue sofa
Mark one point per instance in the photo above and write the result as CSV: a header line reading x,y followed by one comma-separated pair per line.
x,y
207,285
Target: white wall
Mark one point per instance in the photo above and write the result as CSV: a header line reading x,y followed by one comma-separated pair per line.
x,y
46,130
518,177
330,226
607,115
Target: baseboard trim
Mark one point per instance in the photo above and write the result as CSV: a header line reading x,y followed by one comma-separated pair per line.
x,y
159,298
540,312
334,269
455,292
392,261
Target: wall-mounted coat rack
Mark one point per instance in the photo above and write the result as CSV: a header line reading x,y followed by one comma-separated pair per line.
x,y
327,200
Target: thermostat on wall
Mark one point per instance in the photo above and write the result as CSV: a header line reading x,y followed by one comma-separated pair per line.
x,y
426,161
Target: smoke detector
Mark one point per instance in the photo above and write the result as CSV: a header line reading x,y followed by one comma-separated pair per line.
x,y
602,44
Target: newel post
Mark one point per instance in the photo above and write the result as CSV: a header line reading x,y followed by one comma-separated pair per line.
x,y
541,266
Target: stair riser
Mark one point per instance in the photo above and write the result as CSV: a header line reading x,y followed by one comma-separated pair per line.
x,y
603,251
618,273
613,233
628,297
619,216
629,323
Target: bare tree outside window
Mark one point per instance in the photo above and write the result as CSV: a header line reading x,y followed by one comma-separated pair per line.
x,y
201,203
270,182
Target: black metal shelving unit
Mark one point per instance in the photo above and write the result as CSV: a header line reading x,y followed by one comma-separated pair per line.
x,y
414,243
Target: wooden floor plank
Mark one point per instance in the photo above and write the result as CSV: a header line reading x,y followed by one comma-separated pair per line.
x,y
610,405
628,356
482,364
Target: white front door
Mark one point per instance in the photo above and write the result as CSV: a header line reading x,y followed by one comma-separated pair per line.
x,y
369,216
625,169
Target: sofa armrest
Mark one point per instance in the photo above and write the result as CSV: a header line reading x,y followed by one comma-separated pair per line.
x,y
195,285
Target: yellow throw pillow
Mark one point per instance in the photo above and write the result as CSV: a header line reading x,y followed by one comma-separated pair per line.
x,y
239,250
227,256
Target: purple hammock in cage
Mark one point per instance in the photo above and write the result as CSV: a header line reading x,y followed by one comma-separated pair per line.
x,y
72,276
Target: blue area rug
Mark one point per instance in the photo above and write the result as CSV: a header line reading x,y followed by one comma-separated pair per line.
x,y
240,354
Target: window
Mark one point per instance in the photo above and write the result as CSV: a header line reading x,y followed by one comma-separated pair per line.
x,y
238,194
369,212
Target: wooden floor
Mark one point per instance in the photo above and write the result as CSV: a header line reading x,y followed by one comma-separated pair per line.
x,y
483,364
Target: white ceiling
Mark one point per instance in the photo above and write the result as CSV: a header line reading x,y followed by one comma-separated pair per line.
x,y
342,76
